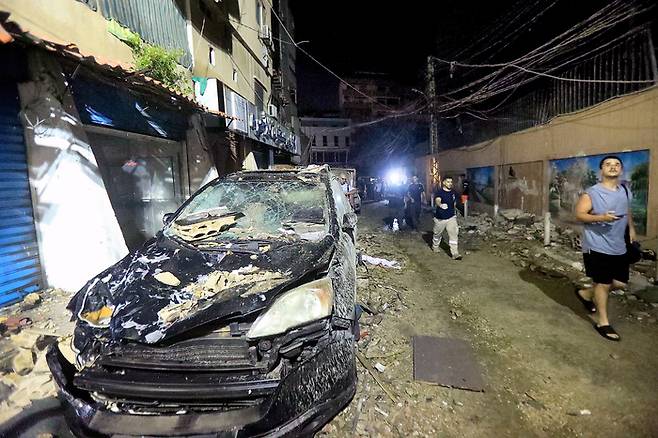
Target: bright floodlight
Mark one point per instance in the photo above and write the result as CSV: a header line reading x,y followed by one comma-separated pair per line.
x,y
395,176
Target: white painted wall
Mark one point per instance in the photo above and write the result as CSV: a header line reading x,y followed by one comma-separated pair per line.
x,y
77,229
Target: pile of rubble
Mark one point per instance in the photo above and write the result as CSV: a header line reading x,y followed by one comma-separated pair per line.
x,y
520,236
27,329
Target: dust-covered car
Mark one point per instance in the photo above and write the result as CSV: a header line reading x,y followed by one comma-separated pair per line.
x,y
237,319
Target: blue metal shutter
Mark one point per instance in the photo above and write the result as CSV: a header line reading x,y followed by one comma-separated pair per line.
x,y
20,270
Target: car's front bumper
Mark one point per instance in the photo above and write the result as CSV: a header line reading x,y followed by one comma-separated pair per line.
x,y
303,401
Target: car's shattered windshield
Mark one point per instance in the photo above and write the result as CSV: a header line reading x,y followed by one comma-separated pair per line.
x,y
246,210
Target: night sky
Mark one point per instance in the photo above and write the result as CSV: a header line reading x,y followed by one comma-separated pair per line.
x,y
375,36
395,38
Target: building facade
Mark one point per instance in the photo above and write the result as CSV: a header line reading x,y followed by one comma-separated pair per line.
x,y
234,73
371,95
96,150
329,140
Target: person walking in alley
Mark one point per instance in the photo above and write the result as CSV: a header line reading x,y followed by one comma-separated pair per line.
x,y
605,212
445,217
416,199
347,188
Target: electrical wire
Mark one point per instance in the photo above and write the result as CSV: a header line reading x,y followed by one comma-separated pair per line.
x,y
600,22
546,75
343,81
546,49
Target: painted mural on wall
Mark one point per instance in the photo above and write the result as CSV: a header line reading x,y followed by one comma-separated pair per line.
x,y
482,188
571,176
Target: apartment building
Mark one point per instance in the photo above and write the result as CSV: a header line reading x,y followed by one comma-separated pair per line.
x,y
96,149
330,140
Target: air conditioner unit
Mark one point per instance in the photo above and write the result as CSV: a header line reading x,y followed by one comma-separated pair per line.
x,y
266,34
272,110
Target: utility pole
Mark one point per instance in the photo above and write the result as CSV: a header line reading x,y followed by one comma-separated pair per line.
x,y
431,93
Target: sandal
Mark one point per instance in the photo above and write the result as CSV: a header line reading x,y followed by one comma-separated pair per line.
x,y
588,304
607,332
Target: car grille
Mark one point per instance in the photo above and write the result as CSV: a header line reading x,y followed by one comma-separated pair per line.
x,y
219,370
201,354
152,385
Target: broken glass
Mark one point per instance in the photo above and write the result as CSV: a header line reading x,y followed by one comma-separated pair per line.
x,y
254,210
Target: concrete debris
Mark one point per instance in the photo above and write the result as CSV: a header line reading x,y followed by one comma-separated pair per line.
x,y
167,278
25,374
517,216
375,261
23,362
379,367
30,301
5,390
205,227
580,413
251,278
648,295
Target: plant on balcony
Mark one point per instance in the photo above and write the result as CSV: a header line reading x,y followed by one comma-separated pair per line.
x,y
152,60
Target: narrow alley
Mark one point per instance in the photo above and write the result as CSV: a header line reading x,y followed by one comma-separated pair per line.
x,y
221,219
547,372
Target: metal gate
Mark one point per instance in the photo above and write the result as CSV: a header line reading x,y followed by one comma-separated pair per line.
x,y
20,269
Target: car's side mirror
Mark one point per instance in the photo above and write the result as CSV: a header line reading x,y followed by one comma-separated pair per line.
x,y
166,218
349,220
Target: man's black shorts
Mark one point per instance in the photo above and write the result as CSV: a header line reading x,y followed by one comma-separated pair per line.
x,y
603,268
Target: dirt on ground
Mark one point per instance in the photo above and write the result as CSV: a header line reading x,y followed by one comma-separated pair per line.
x,y
547,371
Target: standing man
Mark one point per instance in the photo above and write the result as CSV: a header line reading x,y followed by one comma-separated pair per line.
x,y
445,217
416,196
347,189
604,209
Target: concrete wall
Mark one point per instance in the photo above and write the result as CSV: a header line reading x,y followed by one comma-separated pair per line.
x,y
622,124
77,229
69,22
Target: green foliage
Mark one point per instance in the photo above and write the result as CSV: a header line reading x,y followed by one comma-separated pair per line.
x,y
591,178
640,178
161,64
154,61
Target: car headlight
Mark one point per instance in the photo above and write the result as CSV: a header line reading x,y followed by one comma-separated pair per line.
x,y
306,303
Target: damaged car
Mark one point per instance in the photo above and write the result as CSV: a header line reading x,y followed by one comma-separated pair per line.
x,y
236,319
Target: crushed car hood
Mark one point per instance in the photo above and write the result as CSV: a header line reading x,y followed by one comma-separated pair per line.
x,y
167,288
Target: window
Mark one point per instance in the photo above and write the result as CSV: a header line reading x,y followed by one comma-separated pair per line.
x,y
293,95
260,97
260,12
347,142
336,141
324,140
236,105
211,56
313,142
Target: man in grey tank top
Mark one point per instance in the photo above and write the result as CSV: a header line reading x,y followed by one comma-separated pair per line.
x,y
605,211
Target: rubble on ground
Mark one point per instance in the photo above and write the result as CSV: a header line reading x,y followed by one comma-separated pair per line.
x,y
27,329
386,393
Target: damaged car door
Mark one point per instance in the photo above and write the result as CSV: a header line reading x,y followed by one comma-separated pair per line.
x,y
236,319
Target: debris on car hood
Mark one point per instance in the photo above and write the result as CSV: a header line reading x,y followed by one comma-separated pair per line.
x,y
167,288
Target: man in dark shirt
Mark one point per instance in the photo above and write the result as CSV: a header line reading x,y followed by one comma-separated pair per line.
x,y
445,217
416,197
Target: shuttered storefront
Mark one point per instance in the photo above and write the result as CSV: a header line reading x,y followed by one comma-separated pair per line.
x,y
20,270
